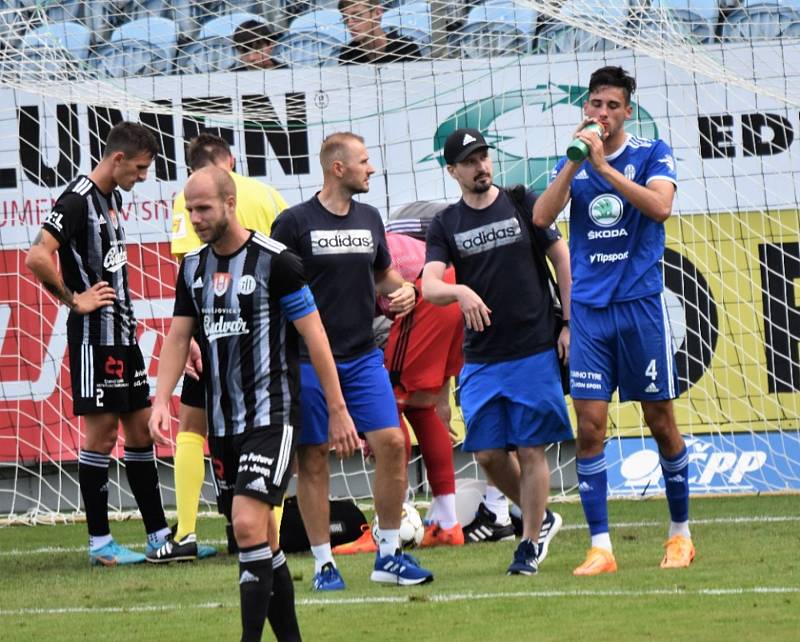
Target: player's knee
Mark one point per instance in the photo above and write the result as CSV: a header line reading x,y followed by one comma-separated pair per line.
x,y
660,419
389,446
192,420
103,442
591,430
312,461
485,458
247,528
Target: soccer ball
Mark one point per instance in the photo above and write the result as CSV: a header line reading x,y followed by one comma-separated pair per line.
x,y
411,528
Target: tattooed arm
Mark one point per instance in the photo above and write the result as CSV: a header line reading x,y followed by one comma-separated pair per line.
x,y
40,262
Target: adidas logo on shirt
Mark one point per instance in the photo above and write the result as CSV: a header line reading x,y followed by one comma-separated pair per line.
x,y
341,242
488,237
581,175
652,388
246,577
257,485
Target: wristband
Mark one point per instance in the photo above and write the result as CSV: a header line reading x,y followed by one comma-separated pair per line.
x,y
409,284
565,322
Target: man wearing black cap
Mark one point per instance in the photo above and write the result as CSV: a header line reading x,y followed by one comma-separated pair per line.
x,y
511,392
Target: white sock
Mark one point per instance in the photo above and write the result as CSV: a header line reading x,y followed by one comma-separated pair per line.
x,y
602,540
158,536
515,510
679,528
98,541
446,510
322,555
496,502
388,540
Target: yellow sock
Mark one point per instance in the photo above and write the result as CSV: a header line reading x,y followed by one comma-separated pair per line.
x,y
277,512
189,475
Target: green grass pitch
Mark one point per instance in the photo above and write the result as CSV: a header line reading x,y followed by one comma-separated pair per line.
x,y
743,585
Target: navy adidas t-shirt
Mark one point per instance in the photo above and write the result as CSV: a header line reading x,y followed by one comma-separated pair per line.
x,y
492,254
340,257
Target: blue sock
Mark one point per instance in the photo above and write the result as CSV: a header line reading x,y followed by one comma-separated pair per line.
x,y
593,487
676,481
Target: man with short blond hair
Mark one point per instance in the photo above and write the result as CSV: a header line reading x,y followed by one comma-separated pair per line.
x,y
238,294
257,205
343,246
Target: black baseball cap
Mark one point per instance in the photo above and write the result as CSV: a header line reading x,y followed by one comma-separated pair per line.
x,y
461,143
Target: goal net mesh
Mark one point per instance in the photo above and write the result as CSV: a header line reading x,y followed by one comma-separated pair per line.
x,y
718,81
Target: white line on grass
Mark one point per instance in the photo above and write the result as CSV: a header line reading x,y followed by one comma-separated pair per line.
x,y
567,527
412,599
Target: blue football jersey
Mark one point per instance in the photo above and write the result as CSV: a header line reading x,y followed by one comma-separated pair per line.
x,y
616,250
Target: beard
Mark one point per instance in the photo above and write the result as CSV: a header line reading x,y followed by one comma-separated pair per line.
x,y
218,231
481,187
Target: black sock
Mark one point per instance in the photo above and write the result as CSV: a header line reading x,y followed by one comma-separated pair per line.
x,y
282,616
233,547
140,466
255,587
93,481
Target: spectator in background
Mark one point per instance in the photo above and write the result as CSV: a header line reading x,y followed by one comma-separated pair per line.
x,y
254,42
370,43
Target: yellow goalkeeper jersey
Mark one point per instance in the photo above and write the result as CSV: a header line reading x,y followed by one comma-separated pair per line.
x,y
257,205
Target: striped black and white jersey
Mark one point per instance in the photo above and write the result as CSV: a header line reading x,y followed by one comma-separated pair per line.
x,y
243,304
86,223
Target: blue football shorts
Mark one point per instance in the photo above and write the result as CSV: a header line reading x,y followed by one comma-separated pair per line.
x,y
514,403
367,393
626,345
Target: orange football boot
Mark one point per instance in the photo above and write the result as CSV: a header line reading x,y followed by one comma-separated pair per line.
x,y
598,560
364,544
435,535
679,552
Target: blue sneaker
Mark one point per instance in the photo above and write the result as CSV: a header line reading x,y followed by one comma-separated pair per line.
x,y
400,569
328,579
204,551
112,554
551,524
525,559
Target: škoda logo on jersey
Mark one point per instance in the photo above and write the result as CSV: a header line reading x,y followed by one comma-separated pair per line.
x,y
488,237
341,242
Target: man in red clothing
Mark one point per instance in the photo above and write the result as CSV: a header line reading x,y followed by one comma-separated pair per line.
x,y
423,352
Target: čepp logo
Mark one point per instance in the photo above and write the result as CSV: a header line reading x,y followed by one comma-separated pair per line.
x,y
341,242
606,210
710,469
488,237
